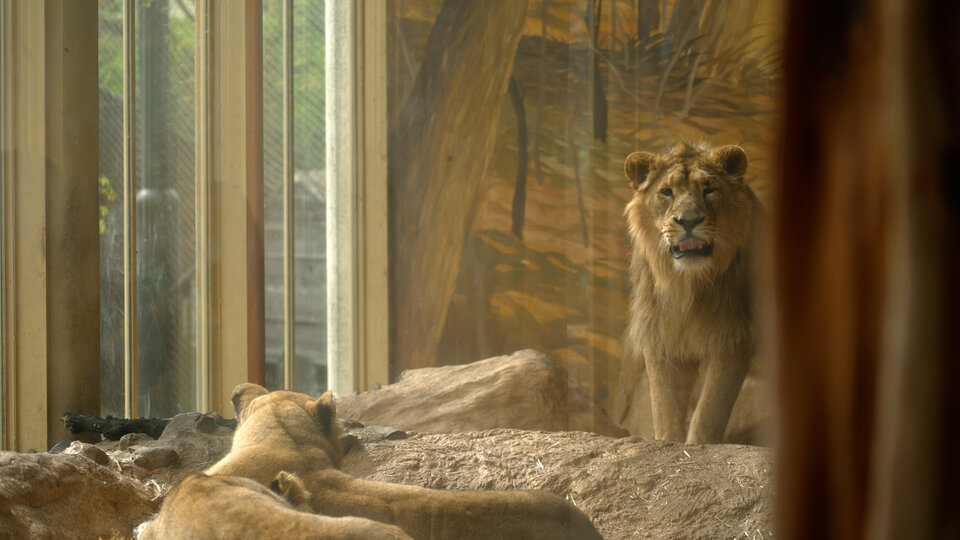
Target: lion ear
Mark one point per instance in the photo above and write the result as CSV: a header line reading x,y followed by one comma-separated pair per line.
x,y
325,412
637,167
731,158
243,394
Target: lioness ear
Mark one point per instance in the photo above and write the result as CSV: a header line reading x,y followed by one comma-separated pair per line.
x,y
325,411
637,167
243,394
730,158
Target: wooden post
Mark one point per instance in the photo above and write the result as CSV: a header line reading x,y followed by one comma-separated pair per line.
x,y
236,206
51,230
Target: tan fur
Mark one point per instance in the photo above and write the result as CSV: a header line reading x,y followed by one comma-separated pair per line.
x,y
692,313
221,506
289,431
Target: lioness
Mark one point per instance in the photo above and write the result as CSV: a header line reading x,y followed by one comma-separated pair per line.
x,y
293,432
690,223
219,506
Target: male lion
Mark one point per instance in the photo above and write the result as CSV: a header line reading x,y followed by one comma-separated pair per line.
x,y
690,223
220,506
293,432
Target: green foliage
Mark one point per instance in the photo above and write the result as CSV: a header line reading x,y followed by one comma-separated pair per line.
x,y
308,80
308,68
110,45
108,198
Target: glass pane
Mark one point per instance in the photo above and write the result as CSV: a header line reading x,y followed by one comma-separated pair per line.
x,y
309,159
309,190
273,189
165,207
110,187
526,246
166,287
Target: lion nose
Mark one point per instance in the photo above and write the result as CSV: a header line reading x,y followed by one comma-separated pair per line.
x,y
687,223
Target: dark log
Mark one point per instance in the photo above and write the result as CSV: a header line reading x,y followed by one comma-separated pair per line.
x,y
113,428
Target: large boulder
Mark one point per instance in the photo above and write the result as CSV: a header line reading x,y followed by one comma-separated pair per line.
x,y
524,390
70,495
628,487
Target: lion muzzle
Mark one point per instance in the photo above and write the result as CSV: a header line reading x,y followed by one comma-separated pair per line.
x,y
691,245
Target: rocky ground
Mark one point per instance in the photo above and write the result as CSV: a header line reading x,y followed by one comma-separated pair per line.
x,y
629,487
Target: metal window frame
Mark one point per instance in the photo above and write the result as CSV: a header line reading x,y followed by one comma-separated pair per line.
x,y
129,209
4,175
3,226
202,182
289,206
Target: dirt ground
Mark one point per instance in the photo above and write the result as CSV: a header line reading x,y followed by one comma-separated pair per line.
x,y
511,422
629,487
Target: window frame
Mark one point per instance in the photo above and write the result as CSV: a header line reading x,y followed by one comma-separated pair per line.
x,y
229,176
230,326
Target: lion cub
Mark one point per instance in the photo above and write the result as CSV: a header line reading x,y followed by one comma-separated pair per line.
x,y
690,223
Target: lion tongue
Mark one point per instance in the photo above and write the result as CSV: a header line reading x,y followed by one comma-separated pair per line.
x,y
691,243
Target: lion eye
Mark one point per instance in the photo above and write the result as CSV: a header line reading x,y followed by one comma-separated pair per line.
x,y
667,191
708,191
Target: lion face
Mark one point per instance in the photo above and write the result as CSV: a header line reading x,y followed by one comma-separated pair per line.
x,y
692,212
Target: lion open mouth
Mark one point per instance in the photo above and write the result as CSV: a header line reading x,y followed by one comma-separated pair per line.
x,y
691,246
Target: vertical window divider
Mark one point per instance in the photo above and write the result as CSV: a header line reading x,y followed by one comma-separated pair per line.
x,y
203,214
289,206
358,332
372,363
4,211
129,212
339,85
235,72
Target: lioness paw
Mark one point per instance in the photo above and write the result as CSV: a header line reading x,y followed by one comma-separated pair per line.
x,y
291,488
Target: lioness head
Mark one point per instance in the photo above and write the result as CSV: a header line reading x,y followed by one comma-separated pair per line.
x,y
286,419
692,211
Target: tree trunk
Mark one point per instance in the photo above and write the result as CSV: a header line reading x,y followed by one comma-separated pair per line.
x,y
598,99
541,91
520,187
439,149
648,18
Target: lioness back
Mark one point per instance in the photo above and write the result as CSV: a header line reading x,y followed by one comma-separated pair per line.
x,y
205,507
293,432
